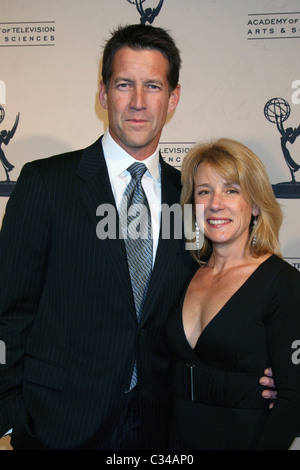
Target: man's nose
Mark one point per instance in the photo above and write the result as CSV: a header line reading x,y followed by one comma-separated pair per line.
x,y
137,99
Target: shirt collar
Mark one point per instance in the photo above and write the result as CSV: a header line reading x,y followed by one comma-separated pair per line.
x,y
118,160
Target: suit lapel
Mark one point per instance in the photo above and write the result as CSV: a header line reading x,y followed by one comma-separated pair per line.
x,y
167,246
94,191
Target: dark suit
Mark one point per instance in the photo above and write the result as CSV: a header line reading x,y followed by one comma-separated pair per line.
x,y
67,310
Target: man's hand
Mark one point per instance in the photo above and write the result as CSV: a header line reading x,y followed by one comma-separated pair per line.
x,y
5,443
268,381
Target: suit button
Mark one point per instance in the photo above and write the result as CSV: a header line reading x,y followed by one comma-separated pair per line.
x,y
141,332
125,389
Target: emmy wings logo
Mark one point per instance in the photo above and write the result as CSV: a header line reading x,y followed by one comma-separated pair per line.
x,y
277,111
148,10
6,186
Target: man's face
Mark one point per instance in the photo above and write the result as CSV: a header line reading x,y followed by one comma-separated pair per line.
x,y
138,100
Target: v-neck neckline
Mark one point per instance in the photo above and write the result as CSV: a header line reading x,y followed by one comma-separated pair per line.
x,y
224,307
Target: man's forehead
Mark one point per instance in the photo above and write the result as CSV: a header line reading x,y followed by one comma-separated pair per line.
x,y
151,58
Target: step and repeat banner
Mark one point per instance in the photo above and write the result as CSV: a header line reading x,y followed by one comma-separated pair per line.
x,y
240,79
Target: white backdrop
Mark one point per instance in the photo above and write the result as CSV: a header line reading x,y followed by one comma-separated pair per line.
x,y
236,57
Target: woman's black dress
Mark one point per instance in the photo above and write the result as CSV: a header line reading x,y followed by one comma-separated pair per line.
x,y
217,395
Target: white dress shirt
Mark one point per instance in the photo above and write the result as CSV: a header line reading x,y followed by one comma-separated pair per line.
x,y
117,161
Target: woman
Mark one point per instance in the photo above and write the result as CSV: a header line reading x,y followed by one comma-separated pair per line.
x,y
240,312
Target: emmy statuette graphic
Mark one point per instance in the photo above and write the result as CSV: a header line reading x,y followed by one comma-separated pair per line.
x,y
277,111
147,15
7,186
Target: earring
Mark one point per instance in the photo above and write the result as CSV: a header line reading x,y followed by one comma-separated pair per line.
x,y
197,236
254,236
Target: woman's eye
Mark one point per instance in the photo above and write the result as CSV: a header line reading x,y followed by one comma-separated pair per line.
x,y
233,191
203,192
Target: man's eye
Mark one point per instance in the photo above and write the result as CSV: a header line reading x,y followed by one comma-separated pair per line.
x,y
123,85
151,86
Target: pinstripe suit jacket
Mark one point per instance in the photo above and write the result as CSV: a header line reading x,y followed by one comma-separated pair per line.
x,y
67,310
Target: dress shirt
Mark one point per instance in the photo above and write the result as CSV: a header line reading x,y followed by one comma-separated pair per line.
x,y
117,161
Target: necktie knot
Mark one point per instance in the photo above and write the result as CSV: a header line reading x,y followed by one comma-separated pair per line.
x,y
137,170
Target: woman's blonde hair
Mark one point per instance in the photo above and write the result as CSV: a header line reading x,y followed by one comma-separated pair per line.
x,y
236,163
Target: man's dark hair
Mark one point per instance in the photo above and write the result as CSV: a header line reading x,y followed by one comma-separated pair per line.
x,y
141,37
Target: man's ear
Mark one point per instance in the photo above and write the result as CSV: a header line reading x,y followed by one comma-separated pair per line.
x,y
103,95
174,99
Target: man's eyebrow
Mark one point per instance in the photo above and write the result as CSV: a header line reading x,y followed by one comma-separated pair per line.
x,y
123,79
155,81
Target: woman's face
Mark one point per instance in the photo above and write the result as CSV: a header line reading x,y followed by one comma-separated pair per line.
x,y
227,212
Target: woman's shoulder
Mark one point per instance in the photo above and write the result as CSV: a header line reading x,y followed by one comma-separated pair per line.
x,y
283,275
280,265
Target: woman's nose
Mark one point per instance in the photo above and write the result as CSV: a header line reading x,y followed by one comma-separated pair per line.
x,y
216,202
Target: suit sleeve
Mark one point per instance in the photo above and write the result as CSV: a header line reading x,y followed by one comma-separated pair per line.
x,y
24,247
283,328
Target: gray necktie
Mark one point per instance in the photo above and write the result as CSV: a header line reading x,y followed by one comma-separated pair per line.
x,y
136,228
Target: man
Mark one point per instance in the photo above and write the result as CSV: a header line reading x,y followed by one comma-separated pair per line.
x,y
68,313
